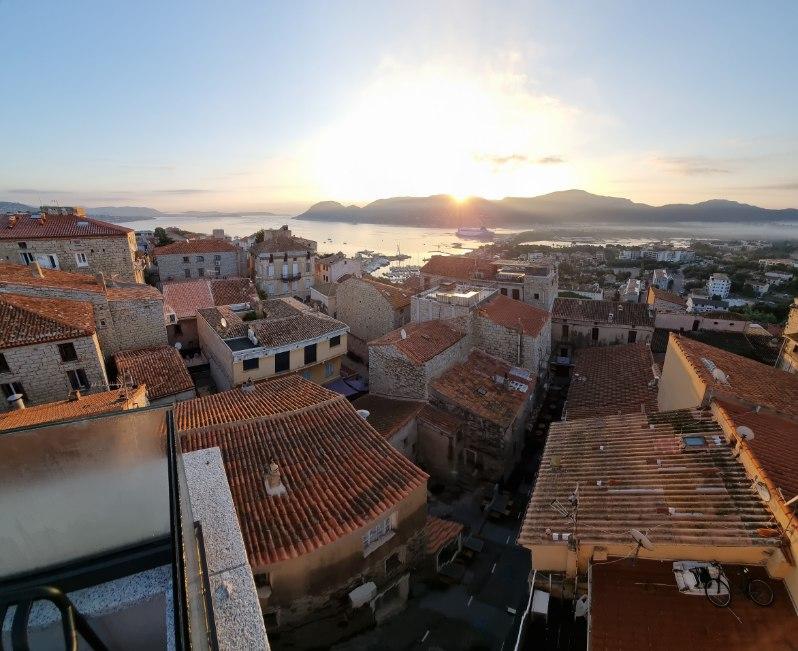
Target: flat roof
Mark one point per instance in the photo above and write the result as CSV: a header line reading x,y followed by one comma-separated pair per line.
x,y
635,604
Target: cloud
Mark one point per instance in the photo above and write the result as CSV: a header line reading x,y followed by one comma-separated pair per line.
x,y
789,185
551,160
36,191
517,159
694,165
181,191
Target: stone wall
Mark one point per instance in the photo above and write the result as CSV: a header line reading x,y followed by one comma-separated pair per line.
x,y
113,256
298,269
43,374
580,334
526,351
121,325
173,266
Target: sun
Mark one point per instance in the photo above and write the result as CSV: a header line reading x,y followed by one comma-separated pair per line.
x,y
460,198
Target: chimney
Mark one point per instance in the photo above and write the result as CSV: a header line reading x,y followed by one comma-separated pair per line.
x,y
100,278
274,484
74,396
16,402
248,386
36,269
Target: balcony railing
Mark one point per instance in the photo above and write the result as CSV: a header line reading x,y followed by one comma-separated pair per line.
x,y
97,514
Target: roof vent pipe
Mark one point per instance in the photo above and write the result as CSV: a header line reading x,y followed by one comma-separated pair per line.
x,y
36,269
274,484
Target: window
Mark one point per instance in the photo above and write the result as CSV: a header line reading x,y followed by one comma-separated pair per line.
x,y
185,259
307,375
178,330
504,291
563,352
516,294
78,379
22,245
566,331
217,258
329,369
378,533
187,272
393,563
307,267
594,334
218,263
27,258
694,441
80,260
310,354
200,272
271,620
67,352
12,388
282,362
4,368
632,337
251,364
335,341
200,258
271,271
48,261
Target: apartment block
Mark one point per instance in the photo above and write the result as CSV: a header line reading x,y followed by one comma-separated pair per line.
x,y
718,285
66,239
205,258
48,350
330,268
286,337
283,264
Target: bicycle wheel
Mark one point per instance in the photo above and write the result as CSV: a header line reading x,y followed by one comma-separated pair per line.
x,y
717,591
760,592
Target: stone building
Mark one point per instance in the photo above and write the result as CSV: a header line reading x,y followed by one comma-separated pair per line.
x,y
449,301
332,516
533,282
283,264
518,333
183,299
493,400
404,362
330,268
323,296
371,309
64,238
161,369
206,258
578,323
126,315
395,420
48,350
665,301
287,337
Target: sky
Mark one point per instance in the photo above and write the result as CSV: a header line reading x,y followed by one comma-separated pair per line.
x,y
207,105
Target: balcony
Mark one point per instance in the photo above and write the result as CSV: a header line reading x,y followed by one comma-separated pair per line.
x,y
97,521
289,277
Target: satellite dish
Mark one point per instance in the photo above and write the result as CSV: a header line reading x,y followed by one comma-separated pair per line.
x,y
720,376
178,345
581,606
403,333
641,539
745,432
762,490
223,321
364,413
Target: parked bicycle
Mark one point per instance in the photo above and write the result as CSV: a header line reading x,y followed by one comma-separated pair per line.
x,y
718,589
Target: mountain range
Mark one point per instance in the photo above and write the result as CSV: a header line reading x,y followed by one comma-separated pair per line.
x,y
568,206
120,214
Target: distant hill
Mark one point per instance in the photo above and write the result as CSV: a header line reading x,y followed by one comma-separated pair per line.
x,y
574,206
12,206
137,212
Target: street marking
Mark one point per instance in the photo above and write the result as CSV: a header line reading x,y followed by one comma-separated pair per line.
x,y
493,569
507,540
470,599
425,636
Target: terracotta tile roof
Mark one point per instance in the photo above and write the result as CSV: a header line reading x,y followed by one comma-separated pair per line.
x,y
397,296
206,245
505,311
724,316
577,309
161,369
423,341
283,244
459,266
25,320
340,475
440,419
633,472
386,415
234,326
55,226
87,405
186,297
326,289
774,446
274,397
749,381
233,291
635,604
668,297
610,380
473,387
19,274
439,532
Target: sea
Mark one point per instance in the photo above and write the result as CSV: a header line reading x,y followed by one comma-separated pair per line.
x,y
421,242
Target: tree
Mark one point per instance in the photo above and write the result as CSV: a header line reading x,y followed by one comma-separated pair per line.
x,y
161,237
260,236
